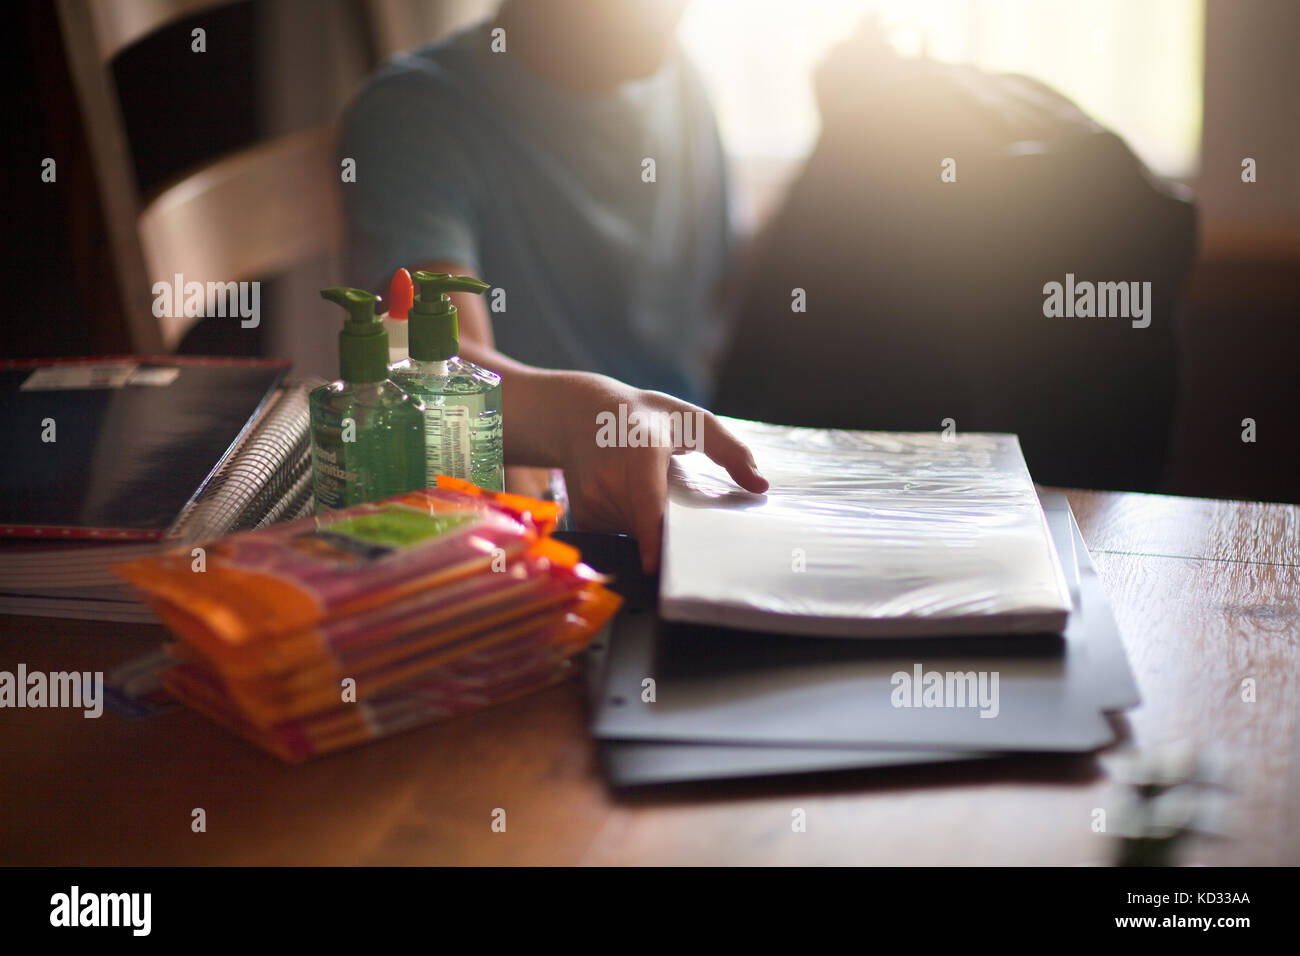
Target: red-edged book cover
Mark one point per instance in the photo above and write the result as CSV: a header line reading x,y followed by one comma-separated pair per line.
x,y
113,448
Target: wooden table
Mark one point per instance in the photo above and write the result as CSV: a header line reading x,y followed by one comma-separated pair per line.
x,y
1206,594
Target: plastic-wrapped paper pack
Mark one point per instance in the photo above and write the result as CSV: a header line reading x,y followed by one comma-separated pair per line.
x,y
863,534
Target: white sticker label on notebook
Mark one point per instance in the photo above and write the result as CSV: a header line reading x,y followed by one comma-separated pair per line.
x,y
154,376
446,439
60,377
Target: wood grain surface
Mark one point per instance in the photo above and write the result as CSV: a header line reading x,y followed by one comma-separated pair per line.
x,y
1206,594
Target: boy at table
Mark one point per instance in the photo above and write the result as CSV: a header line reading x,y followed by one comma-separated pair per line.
x,y
566,152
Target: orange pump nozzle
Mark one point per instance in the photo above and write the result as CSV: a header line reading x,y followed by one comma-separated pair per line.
x,y
401,295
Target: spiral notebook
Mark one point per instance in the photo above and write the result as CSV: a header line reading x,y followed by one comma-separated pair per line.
x,y
262,478
265,480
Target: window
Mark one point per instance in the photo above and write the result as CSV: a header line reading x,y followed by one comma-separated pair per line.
x,y
1136,67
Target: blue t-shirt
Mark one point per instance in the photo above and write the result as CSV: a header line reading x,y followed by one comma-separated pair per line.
x,y
463,155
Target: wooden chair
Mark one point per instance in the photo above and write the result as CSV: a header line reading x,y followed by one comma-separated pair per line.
x,y
246,216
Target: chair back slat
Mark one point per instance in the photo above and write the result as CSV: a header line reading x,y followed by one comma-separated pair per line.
x,y
119,24
247,216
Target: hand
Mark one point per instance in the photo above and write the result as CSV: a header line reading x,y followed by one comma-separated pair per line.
x,y
616,487
553,419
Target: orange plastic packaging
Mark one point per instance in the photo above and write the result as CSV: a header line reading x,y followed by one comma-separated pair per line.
x,y
428,604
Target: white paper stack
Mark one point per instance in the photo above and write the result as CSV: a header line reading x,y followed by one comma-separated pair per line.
x,y
863,534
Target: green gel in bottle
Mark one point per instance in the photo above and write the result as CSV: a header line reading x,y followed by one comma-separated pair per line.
x,y
462,401
367,435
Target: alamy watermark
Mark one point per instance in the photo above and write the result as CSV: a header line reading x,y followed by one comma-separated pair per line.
x,y
923,688
643,429
82,690
180,299
75,908
1102,300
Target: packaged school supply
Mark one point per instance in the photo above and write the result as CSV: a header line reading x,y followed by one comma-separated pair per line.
x,y
320,633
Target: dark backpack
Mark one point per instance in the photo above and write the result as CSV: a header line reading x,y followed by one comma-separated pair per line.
x,y
925,299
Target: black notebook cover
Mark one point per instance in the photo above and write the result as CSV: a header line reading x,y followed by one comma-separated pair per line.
x,y
114,448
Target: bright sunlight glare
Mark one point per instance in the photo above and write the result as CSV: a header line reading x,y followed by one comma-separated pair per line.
x,y
1133,66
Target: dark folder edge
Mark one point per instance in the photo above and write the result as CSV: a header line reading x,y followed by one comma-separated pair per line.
x,y
630,763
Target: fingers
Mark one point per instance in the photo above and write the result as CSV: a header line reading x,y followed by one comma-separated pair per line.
x,y
732,454
647,485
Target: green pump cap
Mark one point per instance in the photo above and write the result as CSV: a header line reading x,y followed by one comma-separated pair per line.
x,y
363,343
433,335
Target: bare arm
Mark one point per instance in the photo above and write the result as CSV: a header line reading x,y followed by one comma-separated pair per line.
x,y
552,419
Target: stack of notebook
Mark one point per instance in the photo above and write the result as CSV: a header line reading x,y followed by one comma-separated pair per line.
x,y
893,598
113,457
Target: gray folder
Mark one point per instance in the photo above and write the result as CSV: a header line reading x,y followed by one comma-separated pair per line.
x,y
735,703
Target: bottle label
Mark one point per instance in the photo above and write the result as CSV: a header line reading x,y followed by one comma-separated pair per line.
x,y
446,441
390,528
332,480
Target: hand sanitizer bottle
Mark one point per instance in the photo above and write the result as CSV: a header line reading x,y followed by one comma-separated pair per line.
x,y
367,435
462,401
